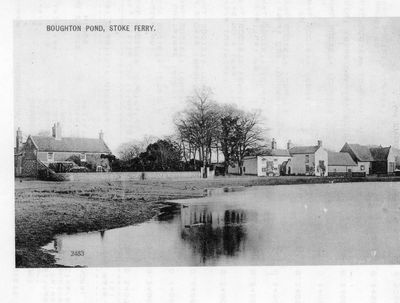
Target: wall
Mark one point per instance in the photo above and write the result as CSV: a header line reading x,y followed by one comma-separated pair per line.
x,y
321,155
29,162
391,159
358,167
250,166
341,168
254,166
92,158
298,163
131,176
276,163
233,170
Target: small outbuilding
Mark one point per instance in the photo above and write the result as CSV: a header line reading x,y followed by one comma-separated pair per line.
x,y
340,163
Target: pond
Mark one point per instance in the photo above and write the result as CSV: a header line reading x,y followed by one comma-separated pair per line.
x,y
313,224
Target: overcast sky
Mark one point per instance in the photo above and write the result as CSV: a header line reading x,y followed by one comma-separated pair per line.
x,y
337,80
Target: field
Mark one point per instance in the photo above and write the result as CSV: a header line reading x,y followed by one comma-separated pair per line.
x,y
44,209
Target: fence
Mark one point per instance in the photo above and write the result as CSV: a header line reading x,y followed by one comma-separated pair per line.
x,y
132,176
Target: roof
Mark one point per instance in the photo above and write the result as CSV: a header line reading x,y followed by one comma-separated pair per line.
x,y
276,153
380,153
370,152
304,149
68,144
340,159
362,152
271,153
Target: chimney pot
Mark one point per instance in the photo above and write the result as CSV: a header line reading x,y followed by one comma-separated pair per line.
x,y
101,135
56,131
273,143
319,142
19,139
289,144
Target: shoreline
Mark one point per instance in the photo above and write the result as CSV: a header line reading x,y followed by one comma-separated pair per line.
x,y
45,209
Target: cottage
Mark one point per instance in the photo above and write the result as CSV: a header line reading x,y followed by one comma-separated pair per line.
x,y
340,163
372,159
45,150
269,162
308,160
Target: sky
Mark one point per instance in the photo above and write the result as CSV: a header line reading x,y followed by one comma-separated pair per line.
x,y
333,79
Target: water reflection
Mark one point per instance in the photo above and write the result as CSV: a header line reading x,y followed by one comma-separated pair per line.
x,y
212,233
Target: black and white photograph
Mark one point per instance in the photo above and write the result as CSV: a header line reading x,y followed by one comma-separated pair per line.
x,y
220,142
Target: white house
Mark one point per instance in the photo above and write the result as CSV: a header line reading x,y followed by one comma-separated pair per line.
x,y
268,163
308,160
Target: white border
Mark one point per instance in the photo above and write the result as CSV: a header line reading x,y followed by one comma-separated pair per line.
x,y
222,284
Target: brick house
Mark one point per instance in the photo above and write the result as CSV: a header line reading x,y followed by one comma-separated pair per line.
x,y
43,150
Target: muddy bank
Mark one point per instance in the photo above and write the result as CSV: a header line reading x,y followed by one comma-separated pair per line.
x,y
44,209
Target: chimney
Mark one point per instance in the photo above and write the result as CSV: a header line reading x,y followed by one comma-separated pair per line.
x,y
101,135
319,143
18,142
273,144
289,144
56,131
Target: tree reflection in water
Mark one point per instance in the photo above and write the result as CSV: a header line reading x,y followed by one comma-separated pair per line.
x,y
213,233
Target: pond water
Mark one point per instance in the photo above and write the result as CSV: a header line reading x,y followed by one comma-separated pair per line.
x,y
315,224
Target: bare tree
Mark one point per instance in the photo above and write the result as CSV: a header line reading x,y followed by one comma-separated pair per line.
x,y
198,125
227,136
132,149
249,135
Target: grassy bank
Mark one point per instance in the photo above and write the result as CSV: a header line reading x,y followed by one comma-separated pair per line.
x,y
44,209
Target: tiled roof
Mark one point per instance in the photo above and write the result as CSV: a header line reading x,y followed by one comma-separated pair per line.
x,y
362,152
276,152
340,159
271,153
67,144
380,153
304,149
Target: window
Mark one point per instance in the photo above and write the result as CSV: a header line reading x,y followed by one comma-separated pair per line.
x,y
362,167
307,168
50,157
307,158
82,157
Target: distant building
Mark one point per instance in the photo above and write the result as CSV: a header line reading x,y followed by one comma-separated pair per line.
x,y
340,163
44,150
269,162
372,159
308,160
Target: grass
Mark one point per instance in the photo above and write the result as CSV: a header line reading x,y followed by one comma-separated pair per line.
x,y
44,209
